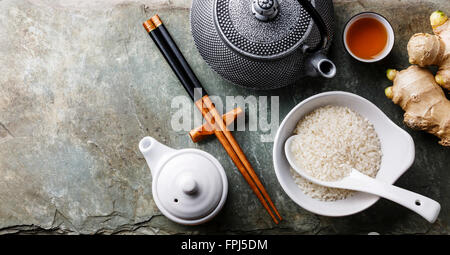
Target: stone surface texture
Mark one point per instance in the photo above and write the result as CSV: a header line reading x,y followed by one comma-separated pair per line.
x,y
81,83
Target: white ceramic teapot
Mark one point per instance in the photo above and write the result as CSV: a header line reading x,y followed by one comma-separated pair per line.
x,y
189,186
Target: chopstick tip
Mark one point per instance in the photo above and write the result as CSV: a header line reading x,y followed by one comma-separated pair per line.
x,y
149,25
152,23
156,20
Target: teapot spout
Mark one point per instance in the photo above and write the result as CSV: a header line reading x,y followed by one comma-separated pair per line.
x,y
319,64
155,153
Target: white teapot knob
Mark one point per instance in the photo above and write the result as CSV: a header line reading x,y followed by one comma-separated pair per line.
x,y
188,185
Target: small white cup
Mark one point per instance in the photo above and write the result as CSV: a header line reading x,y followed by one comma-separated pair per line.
x,y
384,22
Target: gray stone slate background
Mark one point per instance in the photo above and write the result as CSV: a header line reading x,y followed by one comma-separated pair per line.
x,y
81,83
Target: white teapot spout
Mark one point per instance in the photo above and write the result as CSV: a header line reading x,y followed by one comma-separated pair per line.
x,y
155,153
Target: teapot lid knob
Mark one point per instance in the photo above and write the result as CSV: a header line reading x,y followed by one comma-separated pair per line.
x,y
188,185
265,10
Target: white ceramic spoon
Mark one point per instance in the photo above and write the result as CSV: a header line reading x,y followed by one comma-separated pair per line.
x,y
426,207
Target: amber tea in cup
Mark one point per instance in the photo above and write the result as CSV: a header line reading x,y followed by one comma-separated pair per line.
x,y
368,37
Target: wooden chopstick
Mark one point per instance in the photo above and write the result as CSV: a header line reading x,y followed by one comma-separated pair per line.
x,y
229,149
199,133
209,105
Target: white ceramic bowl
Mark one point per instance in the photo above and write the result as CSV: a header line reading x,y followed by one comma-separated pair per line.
x,y
390,33
396,144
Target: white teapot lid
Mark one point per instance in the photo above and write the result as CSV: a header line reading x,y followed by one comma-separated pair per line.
x,y
190,186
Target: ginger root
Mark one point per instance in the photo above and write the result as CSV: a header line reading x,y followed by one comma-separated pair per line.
x,y
416,90
426,49
424,102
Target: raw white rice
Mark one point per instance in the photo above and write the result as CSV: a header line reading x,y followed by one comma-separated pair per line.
x,y
332,140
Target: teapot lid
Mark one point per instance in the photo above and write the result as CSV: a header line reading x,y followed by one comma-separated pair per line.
x,y
190,185
242,26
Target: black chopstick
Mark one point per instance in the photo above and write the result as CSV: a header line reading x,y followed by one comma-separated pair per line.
x,y
174,57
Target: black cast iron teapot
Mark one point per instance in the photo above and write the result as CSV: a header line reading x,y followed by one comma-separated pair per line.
x,y
264,44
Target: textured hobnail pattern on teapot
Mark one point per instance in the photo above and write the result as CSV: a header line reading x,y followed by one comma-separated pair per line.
x,y
252,37
243,70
